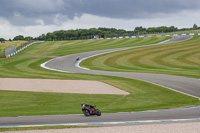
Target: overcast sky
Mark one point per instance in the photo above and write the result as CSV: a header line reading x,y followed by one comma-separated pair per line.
x,y
34,17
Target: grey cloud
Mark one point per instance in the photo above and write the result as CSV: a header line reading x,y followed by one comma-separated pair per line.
x,y
27,12
138,8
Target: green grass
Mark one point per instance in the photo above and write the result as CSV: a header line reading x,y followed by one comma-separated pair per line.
x,y
60,48
143,96
181,59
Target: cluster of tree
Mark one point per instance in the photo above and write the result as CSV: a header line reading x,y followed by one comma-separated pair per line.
x,y
2,40
17,38
162,29
20,37
80,34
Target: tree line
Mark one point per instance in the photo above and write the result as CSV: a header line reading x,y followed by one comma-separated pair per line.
x,y
81,34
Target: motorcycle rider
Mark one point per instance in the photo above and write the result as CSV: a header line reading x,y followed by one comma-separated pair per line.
x,y
91,107
77,58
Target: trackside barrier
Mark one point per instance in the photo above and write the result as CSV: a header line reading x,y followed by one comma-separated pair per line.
x,y
12,54
152,36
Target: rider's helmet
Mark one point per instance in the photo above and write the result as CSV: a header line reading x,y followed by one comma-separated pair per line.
x,y
82,104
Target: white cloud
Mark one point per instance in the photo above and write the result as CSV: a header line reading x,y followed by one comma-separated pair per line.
x,y
9,31
16,14
39,21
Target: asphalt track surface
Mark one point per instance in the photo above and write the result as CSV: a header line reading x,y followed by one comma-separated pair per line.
x,y
189,86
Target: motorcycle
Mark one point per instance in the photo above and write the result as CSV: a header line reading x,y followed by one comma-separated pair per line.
x,y
77,58
90,110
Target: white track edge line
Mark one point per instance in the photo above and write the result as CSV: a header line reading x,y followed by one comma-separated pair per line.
x,y
105,123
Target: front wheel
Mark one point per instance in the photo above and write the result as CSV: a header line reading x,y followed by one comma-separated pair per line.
x,y
98,112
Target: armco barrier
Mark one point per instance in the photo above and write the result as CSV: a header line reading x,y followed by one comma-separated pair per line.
x,y
12,54
152,36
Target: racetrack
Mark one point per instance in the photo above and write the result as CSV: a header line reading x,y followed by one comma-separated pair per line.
x,y
190,86
185,85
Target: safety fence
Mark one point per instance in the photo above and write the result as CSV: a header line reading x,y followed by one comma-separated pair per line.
x,y
17,51
10,50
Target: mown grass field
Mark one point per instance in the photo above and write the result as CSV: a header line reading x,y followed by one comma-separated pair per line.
x,y
143,96
61,48
181,59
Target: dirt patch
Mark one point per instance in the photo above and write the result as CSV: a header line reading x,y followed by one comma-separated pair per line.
x,y
59,86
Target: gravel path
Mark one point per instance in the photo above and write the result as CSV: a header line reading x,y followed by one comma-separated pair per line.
x,y
191,127
60,86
